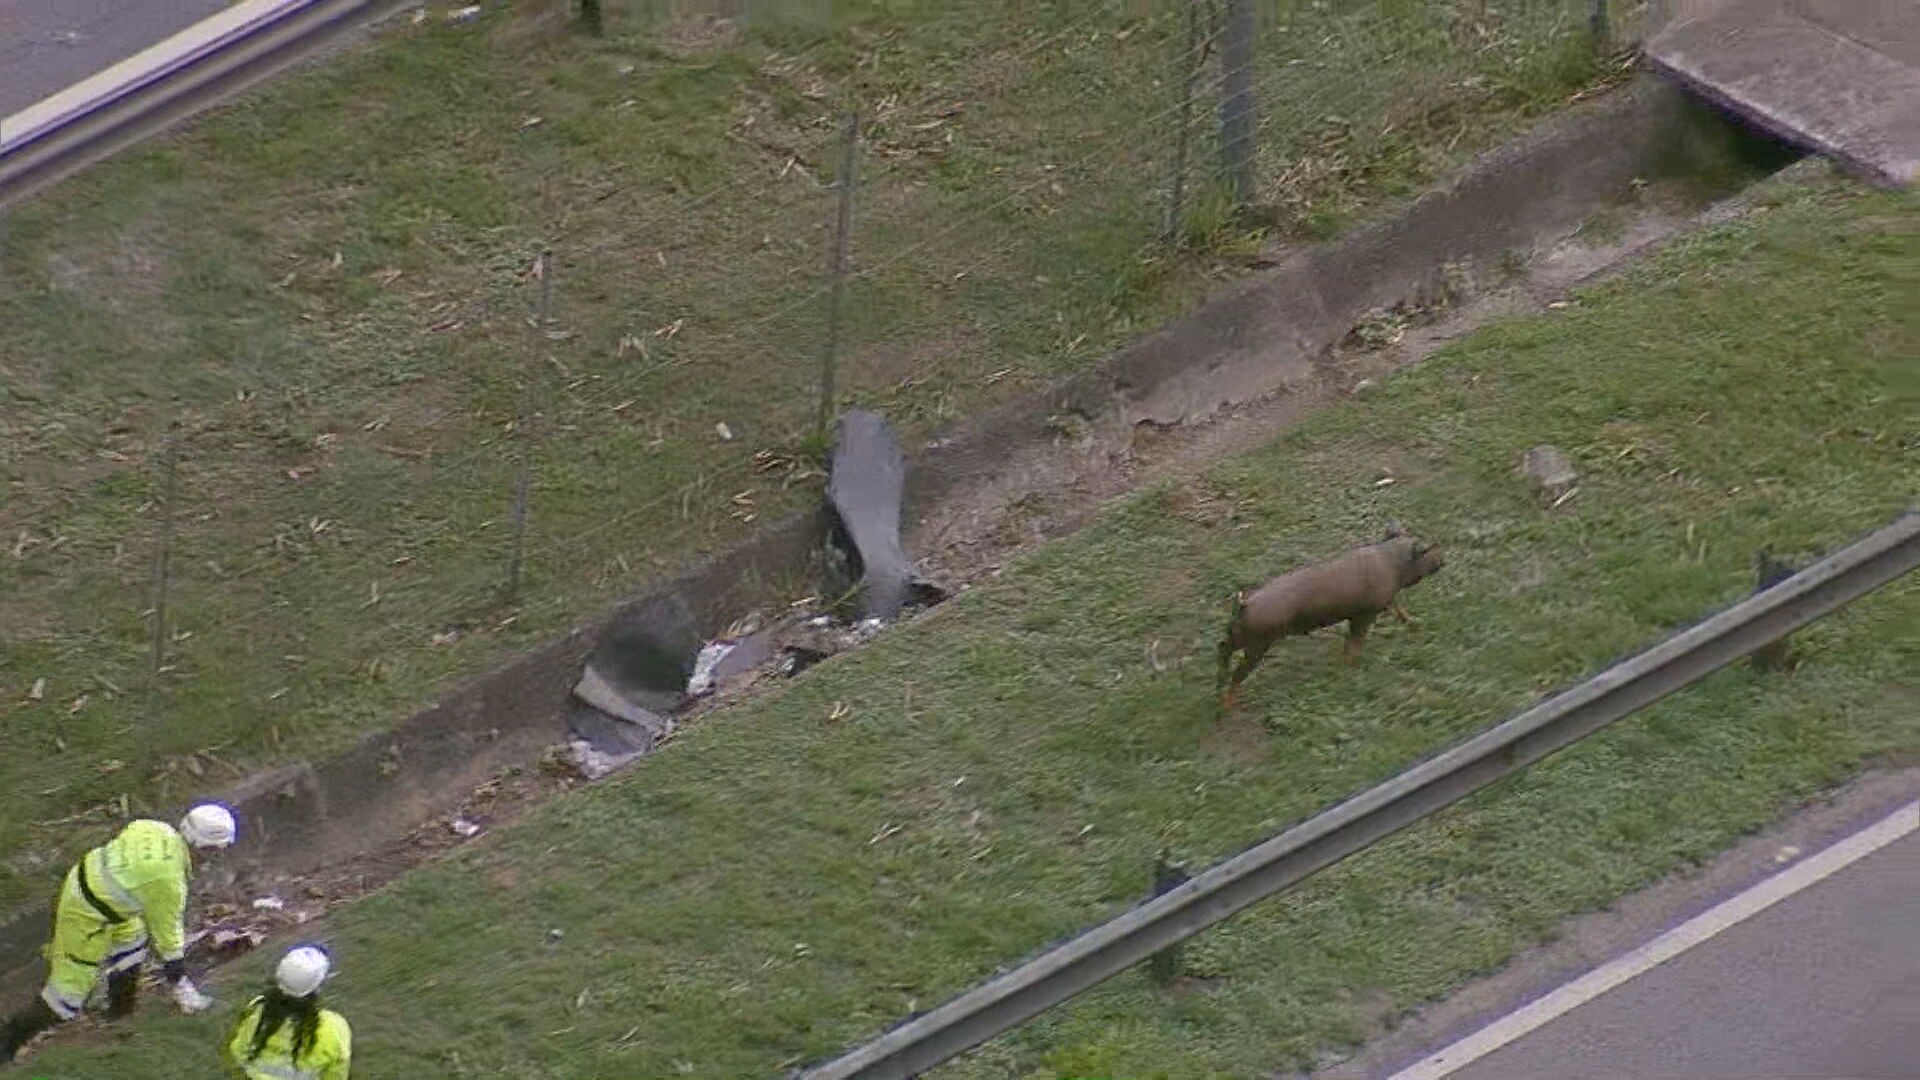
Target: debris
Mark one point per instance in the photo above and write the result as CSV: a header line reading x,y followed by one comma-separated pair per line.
x,y
1364,387
726,433
38,691
729,659
1552,474
1786,854
591,763
463,16
228,939
555,936
463,828
710,656
269,903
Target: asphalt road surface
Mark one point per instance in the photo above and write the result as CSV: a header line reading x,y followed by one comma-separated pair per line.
x,y
48,45
1825,984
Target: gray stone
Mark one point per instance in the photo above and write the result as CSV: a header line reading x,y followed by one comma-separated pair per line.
x,y
1552,474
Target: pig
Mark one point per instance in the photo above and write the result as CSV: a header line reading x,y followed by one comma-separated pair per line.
x,y
1354,587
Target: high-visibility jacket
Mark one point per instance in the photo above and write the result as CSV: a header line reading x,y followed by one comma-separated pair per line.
x,y
327,1059
143,873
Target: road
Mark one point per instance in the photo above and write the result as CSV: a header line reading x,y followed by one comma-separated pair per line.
x,y
48,45
1822,983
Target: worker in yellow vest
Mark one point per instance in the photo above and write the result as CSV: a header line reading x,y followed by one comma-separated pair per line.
x,y
123,898
284,1034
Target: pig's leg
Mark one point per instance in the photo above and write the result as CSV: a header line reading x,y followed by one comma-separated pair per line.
x,y
1400,612
1357,634
1227,648
1249,659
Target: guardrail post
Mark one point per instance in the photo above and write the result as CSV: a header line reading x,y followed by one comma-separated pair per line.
x,y
1164,966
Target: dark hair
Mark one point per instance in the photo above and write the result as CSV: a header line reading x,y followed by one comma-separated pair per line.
x,y
276,1008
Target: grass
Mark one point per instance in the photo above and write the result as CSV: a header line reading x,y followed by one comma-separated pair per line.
x,y
326,287
777,885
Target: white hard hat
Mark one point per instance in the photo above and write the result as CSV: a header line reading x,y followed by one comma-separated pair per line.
x,y
208,825
302,971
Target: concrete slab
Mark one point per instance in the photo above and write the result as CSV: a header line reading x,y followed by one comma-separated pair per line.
x,y
865,486
1840,77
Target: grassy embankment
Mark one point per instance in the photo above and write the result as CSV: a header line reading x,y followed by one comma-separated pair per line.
x,y
778,885
326,281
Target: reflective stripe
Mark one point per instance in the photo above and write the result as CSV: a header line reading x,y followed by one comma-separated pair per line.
x,y
62,1007
109,886
268,1071
127,959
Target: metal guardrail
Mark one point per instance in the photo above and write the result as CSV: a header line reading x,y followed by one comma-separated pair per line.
x,y
168,83
1011,999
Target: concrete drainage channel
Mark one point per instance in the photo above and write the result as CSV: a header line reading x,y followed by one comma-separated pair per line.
x,y
1248,364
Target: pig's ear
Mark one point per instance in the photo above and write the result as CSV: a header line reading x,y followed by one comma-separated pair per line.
x,y
1395,530
1424,547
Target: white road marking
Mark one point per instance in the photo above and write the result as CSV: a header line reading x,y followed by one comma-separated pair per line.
x,y
1700,928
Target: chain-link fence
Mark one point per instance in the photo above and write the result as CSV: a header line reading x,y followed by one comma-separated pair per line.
x,y
420,358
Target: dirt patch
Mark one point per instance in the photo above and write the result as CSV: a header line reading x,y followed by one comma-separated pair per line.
x,y
1238,737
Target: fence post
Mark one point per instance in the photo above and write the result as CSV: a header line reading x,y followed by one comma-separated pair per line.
x,y
523,423
1599,24
162,583
1236,100
1190,63
837,263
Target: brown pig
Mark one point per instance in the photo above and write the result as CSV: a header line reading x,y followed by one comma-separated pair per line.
x,y
1354,588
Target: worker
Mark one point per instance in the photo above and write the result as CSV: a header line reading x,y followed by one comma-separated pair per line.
x,y
284,1034
121,898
